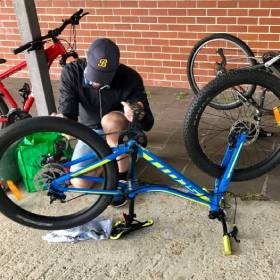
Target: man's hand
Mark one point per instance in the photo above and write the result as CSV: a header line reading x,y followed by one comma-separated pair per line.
x,y
128,110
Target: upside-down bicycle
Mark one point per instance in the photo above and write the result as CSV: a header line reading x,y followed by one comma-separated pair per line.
x,y
57,204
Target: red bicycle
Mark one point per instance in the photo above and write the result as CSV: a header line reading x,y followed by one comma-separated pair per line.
x,y
10,114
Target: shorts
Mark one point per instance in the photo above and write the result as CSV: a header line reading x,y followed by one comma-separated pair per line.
x,y
80,150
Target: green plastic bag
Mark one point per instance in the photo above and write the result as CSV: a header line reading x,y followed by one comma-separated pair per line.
x,y
31,152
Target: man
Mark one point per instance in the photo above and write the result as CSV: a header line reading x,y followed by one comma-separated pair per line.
x,y
99,90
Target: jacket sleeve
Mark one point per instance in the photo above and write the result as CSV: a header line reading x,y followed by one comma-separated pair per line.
x,y
138,93
69,95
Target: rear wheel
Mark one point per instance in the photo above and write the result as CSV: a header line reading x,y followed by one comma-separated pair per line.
x,y
41,152
207,130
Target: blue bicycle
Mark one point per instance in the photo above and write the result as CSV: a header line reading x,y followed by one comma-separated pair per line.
x,y
45,197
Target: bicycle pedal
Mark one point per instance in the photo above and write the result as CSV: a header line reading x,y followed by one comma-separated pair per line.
x,y
121,228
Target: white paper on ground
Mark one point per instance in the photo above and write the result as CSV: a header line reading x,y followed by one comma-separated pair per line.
x,y
98,229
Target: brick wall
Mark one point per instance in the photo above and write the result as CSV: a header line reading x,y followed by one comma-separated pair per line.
x,y
155,37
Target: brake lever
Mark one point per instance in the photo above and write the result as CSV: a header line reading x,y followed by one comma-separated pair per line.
x,y
62,61
84,14
36,46
75,20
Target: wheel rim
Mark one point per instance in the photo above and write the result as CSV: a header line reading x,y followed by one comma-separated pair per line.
x,y
36,188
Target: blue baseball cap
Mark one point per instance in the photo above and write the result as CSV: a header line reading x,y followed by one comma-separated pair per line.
x,y
103,59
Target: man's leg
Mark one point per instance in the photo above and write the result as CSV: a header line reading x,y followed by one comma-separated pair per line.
x,y
80,150
112,122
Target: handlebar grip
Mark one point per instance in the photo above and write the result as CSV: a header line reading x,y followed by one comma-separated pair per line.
x,y
22,48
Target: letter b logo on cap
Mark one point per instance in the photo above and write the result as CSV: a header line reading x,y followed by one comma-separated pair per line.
x,y
103,63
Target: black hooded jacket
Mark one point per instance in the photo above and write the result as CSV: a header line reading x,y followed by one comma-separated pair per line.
x,y
80,100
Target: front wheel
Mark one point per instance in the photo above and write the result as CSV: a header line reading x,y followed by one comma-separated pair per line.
x,y
207,130
41,150
215,55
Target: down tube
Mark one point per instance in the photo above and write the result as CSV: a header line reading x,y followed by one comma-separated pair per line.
x,y
174,174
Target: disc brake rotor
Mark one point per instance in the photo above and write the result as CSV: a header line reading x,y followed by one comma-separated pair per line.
x,y
44,177
246,124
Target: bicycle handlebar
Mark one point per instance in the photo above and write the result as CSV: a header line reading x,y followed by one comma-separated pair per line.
x,y
73,20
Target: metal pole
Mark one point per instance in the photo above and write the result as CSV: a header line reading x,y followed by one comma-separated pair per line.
x,y
36,60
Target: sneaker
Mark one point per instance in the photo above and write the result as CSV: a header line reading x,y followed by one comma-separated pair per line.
x,y
119,201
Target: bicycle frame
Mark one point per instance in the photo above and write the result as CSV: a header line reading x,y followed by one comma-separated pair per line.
x,y
131,189
52,52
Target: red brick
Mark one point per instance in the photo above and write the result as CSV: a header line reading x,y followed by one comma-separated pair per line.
x,y
258,45
130,19
122,12
129,4
196,12
142,41
228,4
158,12
226,20
159,27
259,12
167,49
275,12
167,20
258,28
148,4
268,37
112,19
274,29
238,12
206,20
249,37
177,27
168,35
237,28
216,28
269,21
148,19
161,42
216,12
249,4
199,28
166,4
187,4
140,27
247,21
269,4
186,20
207,4
177,12
150,34
273,46
164,56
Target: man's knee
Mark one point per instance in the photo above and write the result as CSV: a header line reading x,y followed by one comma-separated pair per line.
x,y
114,121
